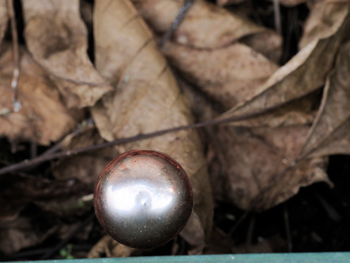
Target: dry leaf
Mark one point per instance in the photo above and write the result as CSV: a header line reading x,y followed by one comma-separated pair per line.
x,y
3,19
193,233
303,74
206,26
57,38
265,43
209,27
295,112
205,48
330,131
84,167
256,164
228,74
146,96
288,3
228,2
325,19
106,246
291,2
247,164
43,117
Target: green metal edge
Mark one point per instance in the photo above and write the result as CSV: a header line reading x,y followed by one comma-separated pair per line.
x,y
337,257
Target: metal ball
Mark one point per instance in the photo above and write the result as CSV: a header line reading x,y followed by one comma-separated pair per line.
x,y
143,199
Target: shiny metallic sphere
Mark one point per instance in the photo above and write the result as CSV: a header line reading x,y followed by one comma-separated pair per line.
x,y
143,198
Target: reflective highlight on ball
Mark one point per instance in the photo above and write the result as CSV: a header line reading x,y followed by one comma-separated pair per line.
x,y
143,198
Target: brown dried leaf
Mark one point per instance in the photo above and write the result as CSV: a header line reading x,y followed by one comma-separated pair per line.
x,y
87,166
43,117
265,43
283,2
298,112
325,19
228,2
205,25
106,246
258,164
303,74
205,48
330,131
291,2
57,39
3,19
245,162
146,96
228,74
193,233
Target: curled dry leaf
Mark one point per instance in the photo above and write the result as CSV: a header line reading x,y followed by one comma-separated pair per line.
x,y
258,164
146,97
330,131
43,117
228,74
3,19
57,38
303,74
205,48
250,167
325,18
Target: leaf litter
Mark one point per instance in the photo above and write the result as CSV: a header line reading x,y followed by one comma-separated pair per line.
x,y
281,122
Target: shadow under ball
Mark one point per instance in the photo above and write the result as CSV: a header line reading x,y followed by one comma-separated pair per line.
x,y
143,199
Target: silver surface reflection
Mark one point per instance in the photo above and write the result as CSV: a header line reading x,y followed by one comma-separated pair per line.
x,y
135,197
143,200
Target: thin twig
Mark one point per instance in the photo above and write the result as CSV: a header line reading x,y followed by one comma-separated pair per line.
x,y
287,229
33,149
82,127
47,157
177,21
277,16
331,211
16,104
250,232
240,220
